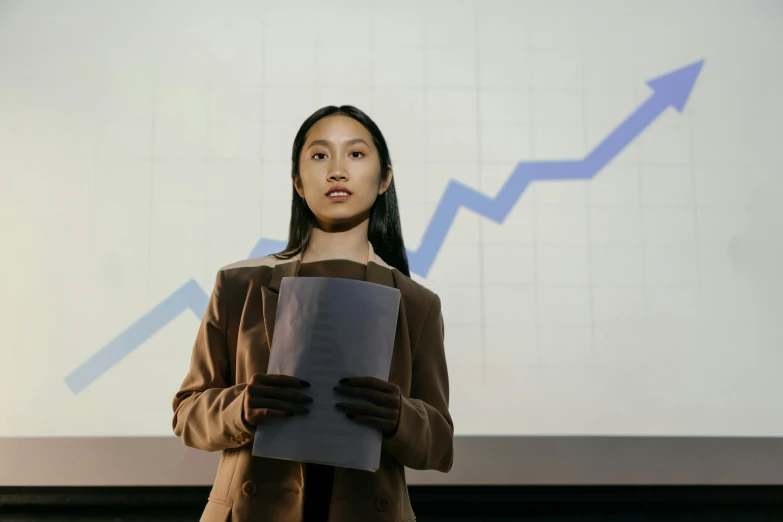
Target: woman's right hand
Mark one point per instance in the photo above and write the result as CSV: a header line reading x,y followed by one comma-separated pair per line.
x,y
266,396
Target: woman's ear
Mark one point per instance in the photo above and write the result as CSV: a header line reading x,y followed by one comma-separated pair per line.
x,y
298,185
385,182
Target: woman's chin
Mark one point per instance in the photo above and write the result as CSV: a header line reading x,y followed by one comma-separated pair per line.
x,y
340,221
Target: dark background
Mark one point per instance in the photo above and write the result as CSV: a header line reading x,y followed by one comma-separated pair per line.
x,y
431,503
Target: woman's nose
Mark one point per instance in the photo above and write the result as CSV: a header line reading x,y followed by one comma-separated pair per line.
x,y
338,172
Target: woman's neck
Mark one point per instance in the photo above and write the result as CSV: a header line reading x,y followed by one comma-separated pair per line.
x,y
350,245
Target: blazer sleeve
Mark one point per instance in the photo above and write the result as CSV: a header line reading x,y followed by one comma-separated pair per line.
x,y
207,411
425,435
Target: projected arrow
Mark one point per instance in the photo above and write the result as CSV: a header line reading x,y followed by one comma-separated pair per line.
x,y
671,89
189,296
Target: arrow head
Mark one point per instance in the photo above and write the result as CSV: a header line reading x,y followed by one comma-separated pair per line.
x,y
676,86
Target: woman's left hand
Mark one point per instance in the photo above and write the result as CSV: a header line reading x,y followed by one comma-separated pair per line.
x,y
383,413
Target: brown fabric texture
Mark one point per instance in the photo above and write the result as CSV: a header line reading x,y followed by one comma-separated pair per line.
x,y
233,342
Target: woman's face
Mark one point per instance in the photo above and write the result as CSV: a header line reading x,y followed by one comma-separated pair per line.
x,y
339,170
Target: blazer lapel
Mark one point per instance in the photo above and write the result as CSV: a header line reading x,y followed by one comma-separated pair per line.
x,y
378,271
270,295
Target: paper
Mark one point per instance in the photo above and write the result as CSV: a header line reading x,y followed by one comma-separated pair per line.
x,y
327,329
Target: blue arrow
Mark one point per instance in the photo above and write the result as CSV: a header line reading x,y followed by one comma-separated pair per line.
x,y
671,89
188,296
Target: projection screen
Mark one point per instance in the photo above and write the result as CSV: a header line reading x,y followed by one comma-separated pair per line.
x,y
592,187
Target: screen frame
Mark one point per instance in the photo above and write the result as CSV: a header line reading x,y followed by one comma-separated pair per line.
x,y
165,461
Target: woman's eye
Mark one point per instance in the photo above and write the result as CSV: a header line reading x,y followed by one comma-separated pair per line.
x,y
317,154
356,154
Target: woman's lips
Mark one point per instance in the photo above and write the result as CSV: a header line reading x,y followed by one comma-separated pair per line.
x,y
338,195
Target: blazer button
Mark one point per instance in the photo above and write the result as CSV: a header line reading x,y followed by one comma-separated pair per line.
x,y
249,488
381,503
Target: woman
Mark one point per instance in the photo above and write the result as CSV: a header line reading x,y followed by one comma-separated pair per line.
x,y
344,223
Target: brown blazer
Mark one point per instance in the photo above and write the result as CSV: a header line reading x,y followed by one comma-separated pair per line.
x,y
233,342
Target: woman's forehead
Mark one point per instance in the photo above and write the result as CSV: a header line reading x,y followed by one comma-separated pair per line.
x,y
338,129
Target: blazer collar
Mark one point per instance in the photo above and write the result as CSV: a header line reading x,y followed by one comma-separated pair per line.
x,y
378,271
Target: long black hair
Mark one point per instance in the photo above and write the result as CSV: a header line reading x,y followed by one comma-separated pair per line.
x,y
385,230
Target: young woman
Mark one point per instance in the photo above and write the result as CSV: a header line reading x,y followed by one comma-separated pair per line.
x,y
344,223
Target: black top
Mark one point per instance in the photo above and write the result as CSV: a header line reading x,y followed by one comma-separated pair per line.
x,y
319,478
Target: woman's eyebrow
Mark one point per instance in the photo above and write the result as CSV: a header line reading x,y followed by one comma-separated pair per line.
x,y
355,141
327,143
